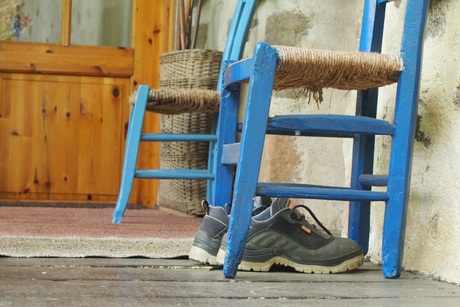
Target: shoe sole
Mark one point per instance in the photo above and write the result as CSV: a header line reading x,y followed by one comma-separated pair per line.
x,y
345,266
202,256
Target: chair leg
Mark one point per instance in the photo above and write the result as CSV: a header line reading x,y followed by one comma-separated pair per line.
x,y
252,142
399,178
132,149
226,134
359,211
211,184
403,140
362,163
396,210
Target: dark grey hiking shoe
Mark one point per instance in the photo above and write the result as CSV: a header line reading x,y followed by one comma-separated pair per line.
x,y
208,238
213,227
281,235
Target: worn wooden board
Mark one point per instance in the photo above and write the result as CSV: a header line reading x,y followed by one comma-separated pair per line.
x,y
61,137
96,281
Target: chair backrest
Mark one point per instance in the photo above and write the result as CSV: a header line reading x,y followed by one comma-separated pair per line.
x,y
411,51
404,117
233,51
411,43
238,32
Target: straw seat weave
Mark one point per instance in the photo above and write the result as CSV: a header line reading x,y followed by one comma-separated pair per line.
x,y
178,101
314,69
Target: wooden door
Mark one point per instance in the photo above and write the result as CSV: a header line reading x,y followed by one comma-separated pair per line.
x,y
64,111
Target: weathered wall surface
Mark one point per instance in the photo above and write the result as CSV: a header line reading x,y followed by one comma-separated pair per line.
x,y
434,207
434,211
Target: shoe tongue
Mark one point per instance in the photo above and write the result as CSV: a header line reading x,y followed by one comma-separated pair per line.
x,y
278,204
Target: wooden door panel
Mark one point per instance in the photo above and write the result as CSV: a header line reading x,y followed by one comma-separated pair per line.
x,y
61,136
74,60
64,110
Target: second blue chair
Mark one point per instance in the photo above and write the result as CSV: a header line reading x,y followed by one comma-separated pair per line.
x,y
157,100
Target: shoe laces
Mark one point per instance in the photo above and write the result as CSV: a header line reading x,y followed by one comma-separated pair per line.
x,y
228,207
298,216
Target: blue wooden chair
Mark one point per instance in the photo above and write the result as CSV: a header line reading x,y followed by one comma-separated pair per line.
x,y
279,67
182,101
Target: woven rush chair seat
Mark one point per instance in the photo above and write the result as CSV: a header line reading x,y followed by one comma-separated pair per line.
x,y
178,101
315,69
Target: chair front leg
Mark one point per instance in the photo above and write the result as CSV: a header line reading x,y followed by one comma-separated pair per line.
x,y
131,152
252,141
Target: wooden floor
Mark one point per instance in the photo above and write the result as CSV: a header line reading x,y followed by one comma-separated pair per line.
x,y
178,282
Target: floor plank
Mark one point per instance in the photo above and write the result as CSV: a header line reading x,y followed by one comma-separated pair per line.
x,y
135,282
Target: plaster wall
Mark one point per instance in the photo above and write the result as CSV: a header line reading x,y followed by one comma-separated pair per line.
x,y
431,246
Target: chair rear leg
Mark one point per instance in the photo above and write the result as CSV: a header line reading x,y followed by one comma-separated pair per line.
x,y
403,139
362,163
399,181
211,184
226,134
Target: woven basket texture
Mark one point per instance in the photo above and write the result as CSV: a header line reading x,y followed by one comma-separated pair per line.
x,y
186,69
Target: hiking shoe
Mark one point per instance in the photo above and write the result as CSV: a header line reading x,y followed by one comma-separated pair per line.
x,y
213,227
281,235
208,238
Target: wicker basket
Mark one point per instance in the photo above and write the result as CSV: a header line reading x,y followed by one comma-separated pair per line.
x,y
195,68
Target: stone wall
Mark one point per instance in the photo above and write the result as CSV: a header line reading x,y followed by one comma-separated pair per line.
x,y
434,208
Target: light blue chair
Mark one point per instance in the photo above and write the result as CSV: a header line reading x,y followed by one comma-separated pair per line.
x,y
148,100
286,67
